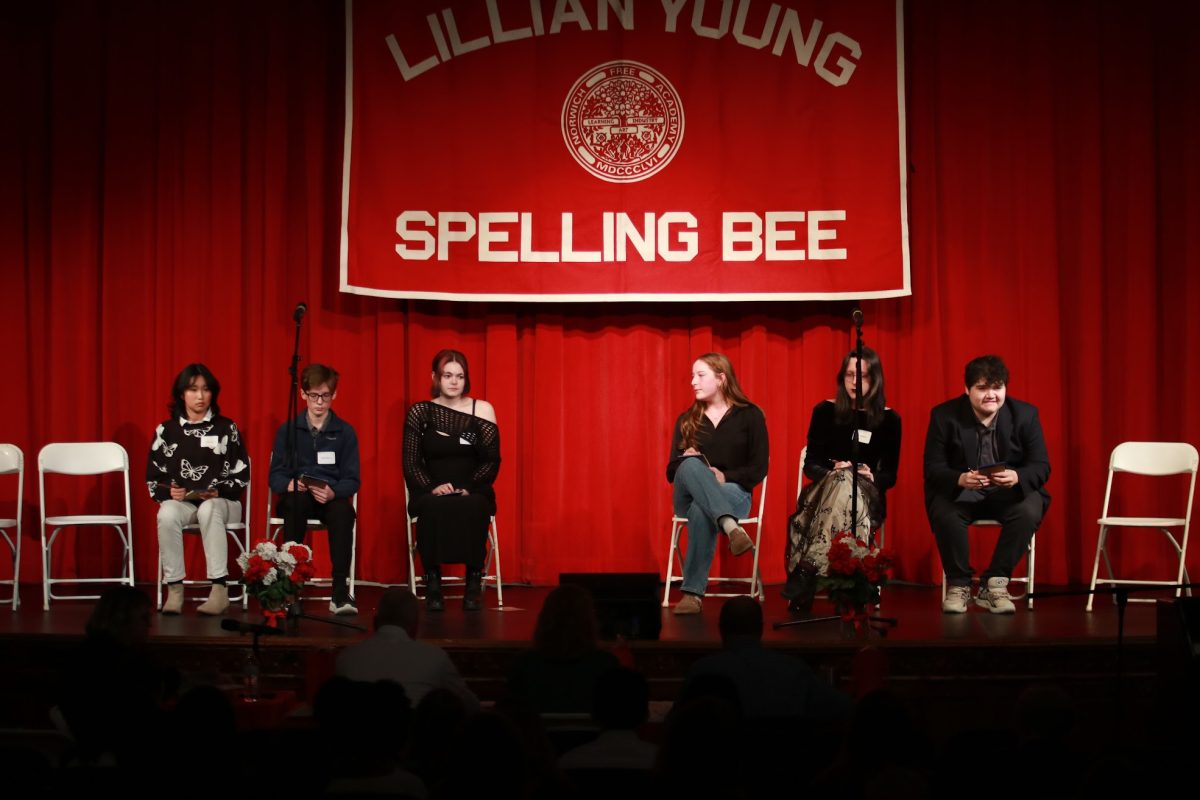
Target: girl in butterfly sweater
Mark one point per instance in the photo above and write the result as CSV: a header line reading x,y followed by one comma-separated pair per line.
x,y
197,471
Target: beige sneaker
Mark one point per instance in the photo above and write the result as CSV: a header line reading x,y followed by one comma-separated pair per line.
x,y
217,602
995,597
956,600
688,604
740,541
174,602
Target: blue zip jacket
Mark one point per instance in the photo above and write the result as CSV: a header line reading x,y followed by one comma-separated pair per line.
x,y
336,437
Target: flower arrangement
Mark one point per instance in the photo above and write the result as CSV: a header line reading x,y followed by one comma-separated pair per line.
x,y
275,575
856,572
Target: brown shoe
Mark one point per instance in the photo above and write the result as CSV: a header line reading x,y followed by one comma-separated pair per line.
x,y
740,541
688,604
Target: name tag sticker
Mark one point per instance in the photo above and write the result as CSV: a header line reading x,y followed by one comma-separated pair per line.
x,y
208,441
864,437
326,457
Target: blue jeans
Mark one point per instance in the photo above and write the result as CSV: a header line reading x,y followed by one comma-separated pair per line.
x,y
700,498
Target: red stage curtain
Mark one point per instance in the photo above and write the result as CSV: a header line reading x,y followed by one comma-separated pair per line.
x,y
172,187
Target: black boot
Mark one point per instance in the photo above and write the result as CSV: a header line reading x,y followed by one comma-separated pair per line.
x,y
473,591
801,588
433,591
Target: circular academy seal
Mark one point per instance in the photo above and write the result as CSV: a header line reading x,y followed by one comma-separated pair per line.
x,y
622,121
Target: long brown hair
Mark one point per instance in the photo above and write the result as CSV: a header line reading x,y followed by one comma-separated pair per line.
x,y
874,402
730,389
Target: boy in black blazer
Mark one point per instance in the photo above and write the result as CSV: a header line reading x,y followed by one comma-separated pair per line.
x,y
985,458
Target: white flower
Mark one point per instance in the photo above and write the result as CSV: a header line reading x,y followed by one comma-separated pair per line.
x,y
286,562
242,561
271,576
266,550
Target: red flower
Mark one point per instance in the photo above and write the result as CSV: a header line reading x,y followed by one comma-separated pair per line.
x,y
300,552
303,572
871,568
256,569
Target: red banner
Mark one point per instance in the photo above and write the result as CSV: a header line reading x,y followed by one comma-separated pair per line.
x,y
579,150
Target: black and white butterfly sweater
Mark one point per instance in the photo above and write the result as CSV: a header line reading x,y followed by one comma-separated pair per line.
x,y
204,455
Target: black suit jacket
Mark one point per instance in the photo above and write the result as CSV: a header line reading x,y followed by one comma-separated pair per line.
x,y
952,447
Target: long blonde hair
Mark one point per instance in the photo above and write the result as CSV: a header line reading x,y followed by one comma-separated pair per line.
x,y
730,389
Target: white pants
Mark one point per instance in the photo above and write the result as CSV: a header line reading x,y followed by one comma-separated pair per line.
x,y
212,515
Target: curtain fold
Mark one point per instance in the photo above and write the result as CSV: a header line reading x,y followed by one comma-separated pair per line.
x,y
172,189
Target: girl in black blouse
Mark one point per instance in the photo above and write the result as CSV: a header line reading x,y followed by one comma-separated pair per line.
x,y
451,457
824,507
718,455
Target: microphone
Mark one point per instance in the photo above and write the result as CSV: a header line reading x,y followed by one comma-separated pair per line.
x,y
298,314
857,316
237,626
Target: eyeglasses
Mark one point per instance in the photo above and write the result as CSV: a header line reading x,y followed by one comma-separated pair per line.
x,y
324,397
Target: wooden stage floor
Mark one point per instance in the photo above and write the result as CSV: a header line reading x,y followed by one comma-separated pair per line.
x,y
1061,621
941,662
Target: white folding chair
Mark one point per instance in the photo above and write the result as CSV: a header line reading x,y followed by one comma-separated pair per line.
x,y
491,557
12,460
83,458
275,527
239,532
1026,579
755,579
1154,459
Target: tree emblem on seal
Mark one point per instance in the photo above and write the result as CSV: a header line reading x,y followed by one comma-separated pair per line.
x,y
622,121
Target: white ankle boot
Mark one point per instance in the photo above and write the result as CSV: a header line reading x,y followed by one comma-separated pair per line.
x,y
217,602
174,602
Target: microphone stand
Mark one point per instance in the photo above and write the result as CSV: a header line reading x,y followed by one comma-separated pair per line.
x,y
294,516
252,668
299,615
879,624
858,409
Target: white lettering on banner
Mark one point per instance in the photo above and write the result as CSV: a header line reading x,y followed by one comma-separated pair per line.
x,y
456,43
688,237
569,253
754,42
775,235
672,7
498,33
733,234
447,233
424,237
622,8
672,236
742,235
817,234
527,251
488,237
707,31
561,15
448,41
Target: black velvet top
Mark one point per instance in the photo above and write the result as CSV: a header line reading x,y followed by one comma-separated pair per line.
x,y
829,441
